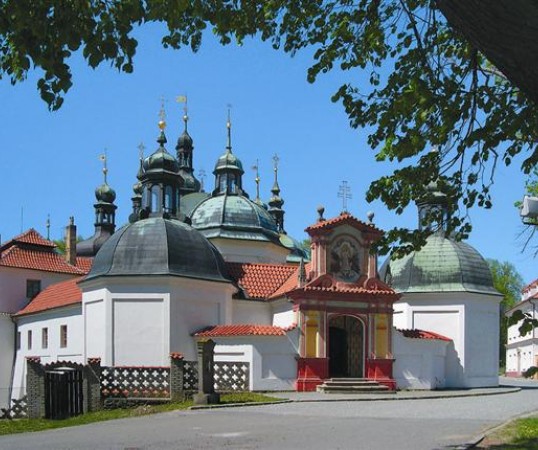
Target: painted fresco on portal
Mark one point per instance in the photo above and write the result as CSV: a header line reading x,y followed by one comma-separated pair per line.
x,y
345,260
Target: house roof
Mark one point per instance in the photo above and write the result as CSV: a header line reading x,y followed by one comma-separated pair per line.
x,y
422,334
84,263
241,330
28,237
259,281
54,296
31,251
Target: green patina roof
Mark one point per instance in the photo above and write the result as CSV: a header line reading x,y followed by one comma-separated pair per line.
x,y
442,265
234,216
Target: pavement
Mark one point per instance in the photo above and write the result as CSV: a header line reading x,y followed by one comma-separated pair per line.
x,y
416,421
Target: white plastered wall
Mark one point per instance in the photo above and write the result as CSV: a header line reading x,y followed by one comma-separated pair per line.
x,y
272,359
522,351
470,320
419,363
52,320
140,320
252,312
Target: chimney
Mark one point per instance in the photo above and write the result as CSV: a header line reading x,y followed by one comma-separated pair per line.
x,y
71,242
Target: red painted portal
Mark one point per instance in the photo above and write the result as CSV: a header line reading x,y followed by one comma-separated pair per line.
x,y
380,370
311,372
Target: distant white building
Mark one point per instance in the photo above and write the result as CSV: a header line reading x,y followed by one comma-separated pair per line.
x,y
522,351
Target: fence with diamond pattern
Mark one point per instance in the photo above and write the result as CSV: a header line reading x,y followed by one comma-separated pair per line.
x,y
135,382
229,376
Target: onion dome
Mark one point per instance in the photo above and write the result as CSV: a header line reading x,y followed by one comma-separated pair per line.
x,y
158,246
185,141
229,162
234,217
160,160
441,265
105,193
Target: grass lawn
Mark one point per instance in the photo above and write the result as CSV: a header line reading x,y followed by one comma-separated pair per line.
x,y
27,425
521,434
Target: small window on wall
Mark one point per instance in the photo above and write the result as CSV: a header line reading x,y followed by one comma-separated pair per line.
x,y
63,336
44,338
29,339
33,287
18,340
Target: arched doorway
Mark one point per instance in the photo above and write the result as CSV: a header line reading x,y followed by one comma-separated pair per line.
x,y
346,347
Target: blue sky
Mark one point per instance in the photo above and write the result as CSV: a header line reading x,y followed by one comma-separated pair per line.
x,y
51,160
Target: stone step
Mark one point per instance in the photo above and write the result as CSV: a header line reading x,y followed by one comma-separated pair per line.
x,y
353,386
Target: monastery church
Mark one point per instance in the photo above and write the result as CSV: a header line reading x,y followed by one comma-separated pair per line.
x,y
193,265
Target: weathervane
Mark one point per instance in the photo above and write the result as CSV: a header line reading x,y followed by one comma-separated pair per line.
x,y
344,192
229,127
183,99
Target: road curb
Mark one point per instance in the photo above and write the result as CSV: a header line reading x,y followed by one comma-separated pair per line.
x,y
237,405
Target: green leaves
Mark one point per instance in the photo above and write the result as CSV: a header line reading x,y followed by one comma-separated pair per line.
x,y
427,86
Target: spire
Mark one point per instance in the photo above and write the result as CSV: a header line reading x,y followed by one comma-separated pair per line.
x,y
229,127
256,167
47,224
276,202
228,169
162,124
160,179
105,169
184,153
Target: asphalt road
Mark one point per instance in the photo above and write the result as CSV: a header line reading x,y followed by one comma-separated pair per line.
x,y
402,424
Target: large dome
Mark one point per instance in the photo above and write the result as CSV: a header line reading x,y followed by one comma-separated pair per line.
x,y
235,217
158,246
442,265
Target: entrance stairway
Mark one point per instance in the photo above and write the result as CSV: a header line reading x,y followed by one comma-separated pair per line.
x,y
353,386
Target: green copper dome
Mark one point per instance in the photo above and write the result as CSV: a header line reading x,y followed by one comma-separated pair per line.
x,y
105,193
228,161
235,217
442,265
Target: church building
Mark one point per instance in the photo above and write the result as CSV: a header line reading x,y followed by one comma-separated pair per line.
x,y
192,265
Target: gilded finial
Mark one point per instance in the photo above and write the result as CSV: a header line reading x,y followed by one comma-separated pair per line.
x,y
162,116
48,226
105,168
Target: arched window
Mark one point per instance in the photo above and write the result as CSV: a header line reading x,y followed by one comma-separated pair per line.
x,y
155,206
168,199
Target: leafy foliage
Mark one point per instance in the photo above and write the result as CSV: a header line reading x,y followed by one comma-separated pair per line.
x,y
427,88
508,281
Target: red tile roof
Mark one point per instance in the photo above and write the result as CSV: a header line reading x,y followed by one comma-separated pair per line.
x,y
37,259
241,330
55,296
344,218
422,334
31,251
84,263
29,237
260,280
